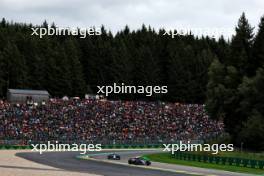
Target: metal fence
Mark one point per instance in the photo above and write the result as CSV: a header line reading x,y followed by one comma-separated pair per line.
x,y
101,141
232,161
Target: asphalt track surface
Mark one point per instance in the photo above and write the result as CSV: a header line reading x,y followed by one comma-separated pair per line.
x,y
99,165
68,161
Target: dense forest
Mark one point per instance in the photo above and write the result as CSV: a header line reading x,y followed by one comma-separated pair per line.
x,y
73,66
226,75
236,83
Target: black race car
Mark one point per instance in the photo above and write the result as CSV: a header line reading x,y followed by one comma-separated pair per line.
x,y
113,156
139,161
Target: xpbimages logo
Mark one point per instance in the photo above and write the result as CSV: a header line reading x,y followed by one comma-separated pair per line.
x,y
81,32
128,89
189,147
58,147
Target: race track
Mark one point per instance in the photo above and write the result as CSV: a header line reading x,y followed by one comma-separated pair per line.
x,y
68,161
98,164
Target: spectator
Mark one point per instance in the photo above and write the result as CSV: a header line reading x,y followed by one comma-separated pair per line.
x,y
103,121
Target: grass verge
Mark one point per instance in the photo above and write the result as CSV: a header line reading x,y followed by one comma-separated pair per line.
x,y
166,158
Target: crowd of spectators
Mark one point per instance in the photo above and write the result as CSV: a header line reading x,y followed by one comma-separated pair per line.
x,y
102,121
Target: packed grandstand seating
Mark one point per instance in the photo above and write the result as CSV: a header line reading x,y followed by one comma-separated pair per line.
x,y
104,120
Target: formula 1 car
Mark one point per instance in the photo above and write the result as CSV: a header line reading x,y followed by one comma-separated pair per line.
x,y
139,161
113,156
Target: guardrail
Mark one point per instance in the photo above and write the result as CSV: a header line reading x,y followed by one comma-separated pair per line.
x,y
15,147
240,162
132,146
23,147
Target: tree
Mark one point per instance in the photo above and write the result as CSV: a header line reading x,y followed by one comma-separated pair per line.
x,y
252,132
122,68
14,66
2,74
251,92
241,47
76,70
146,67
235,96
216,90
258,47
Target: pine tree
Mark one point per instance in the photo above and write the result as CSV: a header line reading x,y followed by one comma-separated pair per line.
x,y
241,46
122,68
146,67
51,74
258,47
15,67
252,106
76,70
224,99
2,74
216,90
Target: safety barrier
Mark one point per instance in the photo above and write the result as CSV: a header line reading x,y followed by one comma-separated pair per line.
x,y
21,147
131,146
15,147
232,161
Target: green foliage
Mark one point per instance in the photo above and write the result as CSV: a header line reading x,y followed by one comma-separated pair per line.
x,y
227,76
216,90
73,66
253,130
252,104
235,87
258,47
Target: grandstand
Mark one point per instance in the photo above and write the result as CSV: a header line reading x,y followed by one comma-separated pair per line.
x,y
106,122
22,95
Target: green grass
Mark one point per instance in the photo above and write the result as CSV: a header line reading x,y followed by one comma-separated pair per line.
x,y
166,158
245,155
235,154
